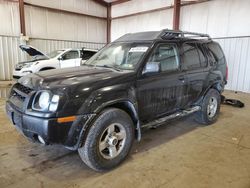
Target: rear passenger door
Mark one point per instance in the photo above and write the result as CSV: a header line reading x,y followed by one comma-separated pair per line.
x,y
195,64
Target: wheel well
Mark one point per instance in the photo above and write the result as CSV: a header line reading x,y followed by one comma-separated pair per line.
x,y
217,86
129,108
125,106
46,68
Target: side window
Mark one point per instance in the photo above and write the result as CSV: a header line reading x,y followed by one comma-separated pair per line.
x,y
167,57
211,57
73,54
203,59
87,54
190,56
216,51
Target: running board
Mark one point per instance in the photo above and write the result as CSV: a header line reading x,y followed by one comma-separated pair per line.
x,y
178,114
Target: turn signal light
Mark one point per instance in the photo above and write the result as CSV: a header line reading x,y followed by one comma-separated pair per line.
x,y
66,119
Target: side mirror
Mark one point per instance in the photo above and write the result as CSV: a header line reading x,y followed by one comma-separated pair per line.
x,y
60,58
151,67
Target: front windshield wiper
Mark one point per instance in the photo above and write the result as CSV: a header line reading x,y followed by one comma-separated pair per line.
x,y
110,67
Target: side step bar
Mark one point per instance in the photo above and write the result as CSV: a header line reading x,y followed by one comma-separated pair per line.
x,y
178,114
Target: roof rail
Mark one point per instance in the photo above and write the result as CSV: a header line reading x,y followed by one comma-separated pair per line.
x,y
171,34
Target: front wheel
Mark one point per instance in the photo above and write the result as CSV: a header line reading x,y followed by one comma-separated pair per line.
x,y
210,108
109,140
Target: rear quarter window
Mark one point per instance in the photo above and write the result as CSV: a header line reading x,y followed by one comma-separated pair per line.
x,y
203,58
190,56
217,52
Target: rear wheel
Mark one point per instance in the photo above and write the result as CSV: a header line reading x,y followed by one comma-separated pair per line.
x,y
109,140
210,108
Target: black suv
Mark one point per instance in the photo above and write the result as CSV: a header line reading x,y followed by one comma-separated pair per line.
x,y
140,80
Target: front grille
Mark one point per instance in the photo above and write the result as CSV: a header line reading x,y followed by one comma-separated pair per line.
x,y
18,95
15,94
23,88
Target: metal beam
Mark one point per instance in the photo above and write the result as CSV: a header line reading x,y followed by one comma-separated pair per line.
x,y
101,2
119,2
143,12
22,17
185,3
109,23
176,15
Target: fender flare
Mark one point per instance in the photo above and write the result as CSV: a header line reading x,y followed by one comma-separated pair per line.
x,y
217,85
133,114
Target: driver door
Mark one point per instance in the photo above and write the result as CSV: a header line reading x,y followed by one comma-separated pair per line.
x,y
69,59
162,92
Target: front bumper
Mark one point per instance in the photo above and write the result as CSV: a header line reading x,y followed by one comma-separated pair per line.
x,y
52,132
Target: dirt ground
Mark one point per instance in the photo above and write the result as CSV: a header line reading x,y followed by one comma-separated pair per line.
x,y
181,154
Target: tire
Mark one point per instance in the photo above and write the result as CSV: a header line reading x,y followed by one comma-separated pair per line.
x,y
210,108
118,125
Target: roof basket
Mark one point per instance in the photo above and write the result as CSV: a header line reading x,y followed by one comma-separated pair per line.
x,y
170,34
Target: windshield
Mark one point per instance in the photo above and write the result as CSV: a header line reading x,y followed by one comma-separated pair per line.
x,y
55,53
119,55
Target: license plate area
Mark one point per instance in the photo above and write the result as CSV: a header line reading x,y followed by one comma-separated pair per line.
x,y
15,117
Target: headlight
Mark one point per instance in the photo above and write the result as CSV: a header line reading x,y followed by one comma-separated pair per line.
x,y
45,101
28,65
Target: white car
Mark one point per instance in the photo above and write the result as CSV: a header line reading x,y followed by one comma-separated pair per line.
x,y
57,59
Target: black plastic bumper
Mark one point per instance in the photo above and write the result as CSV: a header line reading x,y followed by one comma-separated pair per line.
x,y
67,134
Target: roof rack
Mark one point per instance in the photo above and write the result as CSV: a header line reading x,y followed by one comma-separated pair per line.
x,y
171,34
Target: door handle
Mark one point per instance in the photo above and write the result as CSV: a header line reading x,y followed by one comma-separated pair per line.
x,y
181,78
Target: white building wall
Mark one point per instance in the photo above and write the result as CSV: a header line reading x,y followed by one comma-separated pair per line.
x,y
237,52
10,54
135,6
219,18
146,22
9,14
80,6
225,20
46,24
49,30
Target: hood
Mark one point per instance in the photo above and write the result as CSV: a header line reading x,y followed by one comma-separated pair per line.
x,y
32,51
20,65
77,77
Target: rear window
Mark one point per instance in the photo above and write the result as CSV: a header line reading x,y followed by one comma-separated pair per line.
x,y
216,51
